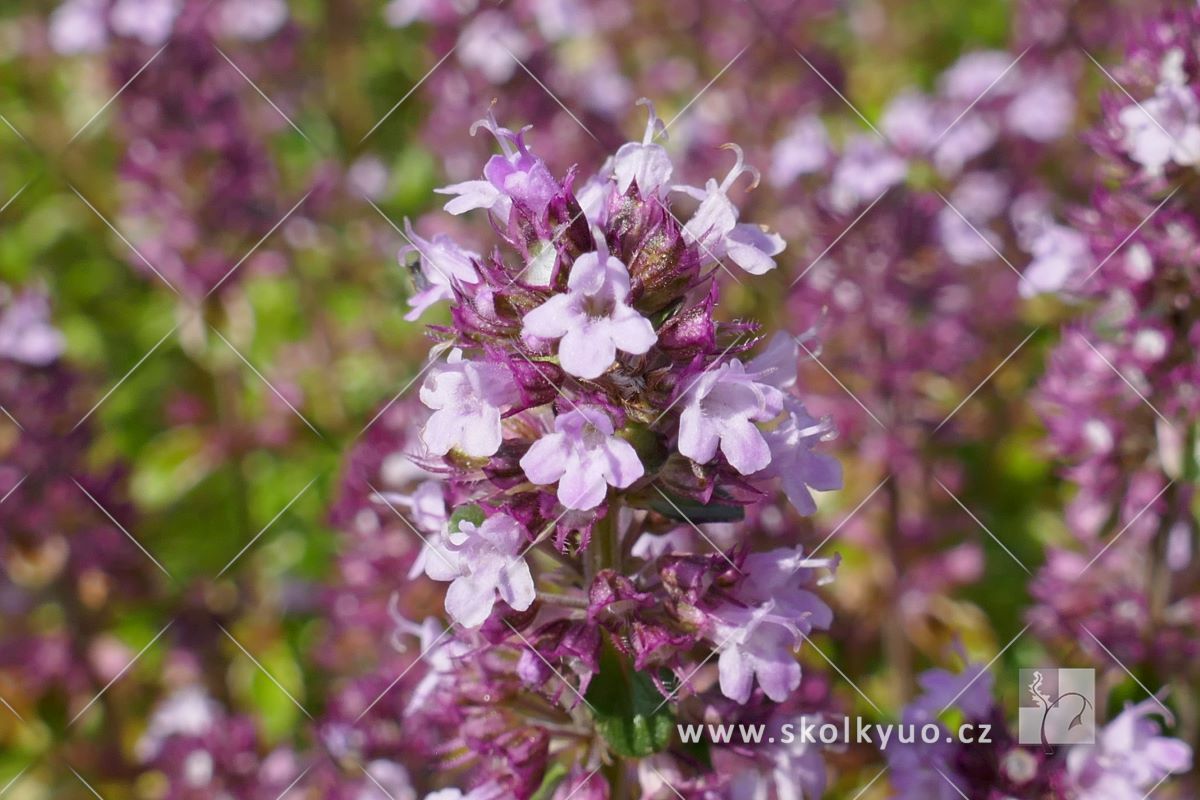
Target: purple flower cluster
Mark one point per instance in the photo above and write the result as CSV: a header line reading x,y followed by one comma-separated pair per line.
x,y
906,229
584,402
198,186
58,547
88,26
1119,395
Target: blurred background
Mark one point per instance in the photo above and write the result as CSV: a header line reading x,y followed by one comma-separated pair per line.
x,y
207,202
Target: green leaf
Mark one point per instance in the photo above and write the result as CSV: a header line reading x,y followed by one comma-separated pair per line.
x,y
173,464
628,709
472,513
683,510
554,776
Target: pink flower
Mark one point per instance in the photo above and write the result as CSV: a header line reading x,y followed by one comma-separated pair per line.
x,y
252,20
1059,254
867,169
716,230
723,405
26,334
646,163
771,614
517,175
803,151
481,561
592,319
77,26
148,21
1164,128
584,456
794,460
910,123
1129,757
466,398
442,263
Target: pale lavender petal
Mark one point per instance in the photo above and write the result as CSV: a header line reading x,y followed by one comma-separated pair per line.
x,y
425,298
823,472
776,365
552,318
698,437
469,600
1169,755
751,248
744,446
623,465
441,432
584,354
481,433
714,218
546,460
778,673
516,585
471,195
582,486
736,674
798,494
587,274
440,562
649,165
631,332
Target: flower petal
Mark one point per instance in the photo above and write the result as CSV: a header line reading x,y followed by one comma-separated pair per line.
x,y
469,600
582,486
698,436
552,318
622,465
516,585
545,461
584,354
736,674
744,446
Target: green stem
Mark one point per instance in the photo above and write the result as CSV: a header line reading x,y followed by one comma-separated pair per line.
x,y
603,550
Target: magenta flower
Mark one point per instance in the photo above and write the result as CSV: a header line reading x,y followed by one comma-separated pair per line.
x,y
442,263
715,229
584,456
517,175
592,320
466,398
481,561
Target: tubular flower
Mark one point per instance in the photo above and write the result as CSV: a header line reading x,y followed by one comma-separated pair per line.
x,y
482,561
592,321
584,457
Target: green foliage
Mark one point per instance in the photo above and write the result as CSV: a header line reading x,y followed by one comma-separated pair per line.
x,y
629,710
